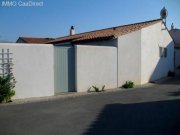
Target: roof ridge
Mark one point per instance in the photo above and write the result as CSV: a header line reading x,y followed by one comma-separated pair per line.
x,y
38,37
110,28
106,32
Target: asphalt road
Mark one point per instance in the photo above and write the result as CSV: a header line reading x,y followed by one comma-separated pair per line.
x,y
152,110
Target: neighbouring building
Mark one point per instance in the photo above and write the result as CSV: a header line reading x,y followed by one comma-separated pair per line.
x,y
141,52
175,33
33,40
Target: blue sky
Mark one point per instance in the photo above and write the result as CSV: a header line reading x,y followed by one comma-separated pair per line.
x,y
55,17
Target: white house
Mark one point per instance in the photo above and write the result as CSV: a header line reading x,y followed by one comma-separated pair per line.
x,y
140,52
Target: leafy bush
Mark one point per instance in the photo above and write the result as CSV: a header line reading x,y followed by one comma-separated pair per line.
x,y
7,84
128,84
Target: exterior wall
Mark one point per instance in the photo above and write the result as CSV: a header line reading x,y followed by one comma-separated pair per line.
x,y
33,69
129,58
154,67
110,42
177,58
95,65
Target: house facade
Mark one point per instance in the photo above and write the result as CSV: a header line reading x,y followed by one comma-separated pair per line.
x,y
141,52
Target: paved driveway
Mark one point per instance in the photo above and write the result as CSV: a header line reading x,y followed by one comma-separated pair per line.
x,y
152,110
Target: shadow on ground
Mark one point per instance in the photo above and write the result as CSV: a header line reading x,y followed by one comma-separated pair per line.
x,y
151,118
171,81
177,93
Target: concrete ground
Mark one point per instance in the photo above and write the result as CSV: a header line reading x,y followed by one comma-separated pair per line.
x,y
150,110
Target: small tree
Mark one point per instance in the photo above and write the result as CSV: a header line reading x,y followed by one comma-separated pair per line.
x,y
7,84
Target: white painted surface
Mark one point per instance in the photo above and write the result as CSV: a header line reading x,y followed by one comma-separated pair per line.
x,y
154,67
95,65
177,58
33,69
129,58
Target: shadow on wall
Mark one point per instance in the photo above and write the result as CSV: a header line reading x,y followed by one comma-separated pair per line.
x,y
161,70
71,70
151,118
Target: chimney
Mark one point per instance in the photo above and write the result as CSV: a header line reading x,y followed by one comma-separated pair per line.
x,y
72,31
172,26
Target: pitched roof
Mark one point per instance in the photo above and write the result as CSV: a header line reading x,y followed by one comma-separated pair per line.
x,y
175,34
105,33
35,40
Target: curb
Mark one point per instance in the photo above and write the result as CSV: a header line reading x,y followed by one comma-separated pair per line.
x,y
62,96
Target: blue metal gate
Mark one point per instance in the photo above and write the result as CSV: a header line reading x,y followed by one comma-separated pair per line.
x,y
64,69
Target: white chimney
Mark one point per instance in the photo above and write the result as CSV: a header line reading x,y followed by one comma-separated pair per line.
x,y
72,31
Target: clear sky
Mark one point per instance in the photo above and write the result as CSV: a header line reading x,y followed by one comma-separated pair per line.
x,y
55,17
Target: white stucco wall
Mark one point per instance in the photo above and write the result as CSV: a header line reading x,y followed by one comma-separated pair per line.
x,y
177,58
95,65
129,58
154,67
33,69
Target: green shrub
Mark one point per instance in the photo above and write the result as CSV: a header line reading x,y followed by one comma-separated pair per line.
x,y
7,84
128,84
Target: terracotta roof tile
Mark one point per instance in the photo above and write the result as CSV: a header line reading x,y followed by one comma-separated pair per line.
x,y
105,33
35,40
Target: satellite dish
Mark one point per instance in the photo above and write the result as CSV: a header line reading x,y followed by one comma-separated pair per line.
x,y
164,13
